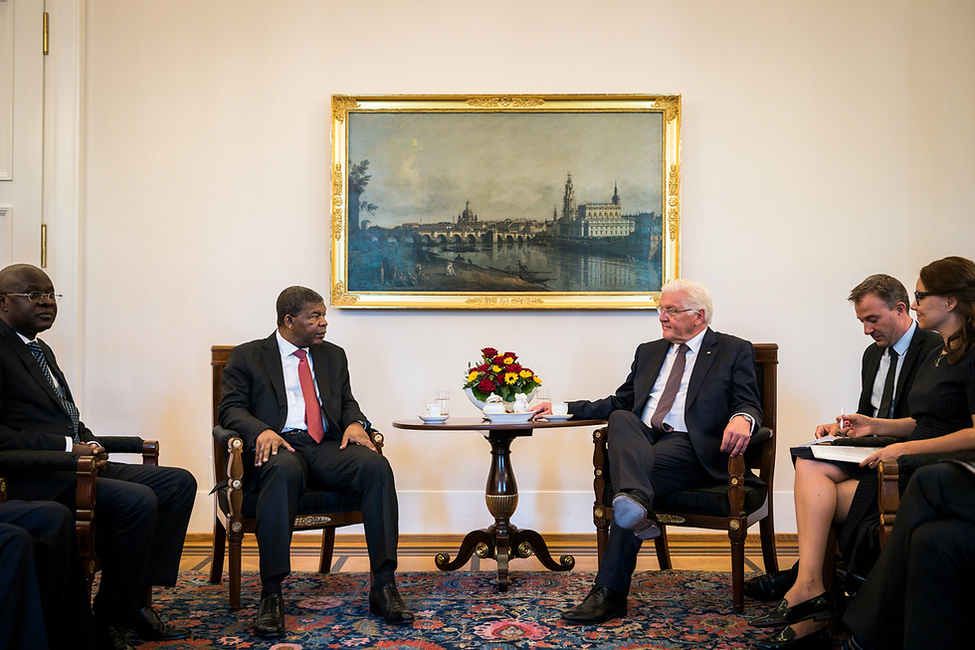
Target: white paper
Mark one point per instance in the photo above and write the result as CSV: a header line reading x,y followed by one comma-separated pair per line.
x,y
843,453
824,440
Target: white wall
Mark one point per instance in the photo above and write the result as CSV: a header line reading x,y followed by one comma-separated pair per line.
x,y
822,141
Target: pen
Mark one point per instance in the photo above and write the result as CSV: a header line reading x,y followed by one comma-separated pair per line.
x,y
843,422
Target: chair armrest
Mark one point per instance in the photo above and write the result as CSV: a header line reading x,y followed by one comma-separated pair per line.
x,y
895,474
22,461
234,483
148,449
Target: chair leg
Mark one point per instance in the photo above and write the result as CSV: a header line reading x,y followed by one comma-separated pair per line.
x,y
663,549
602,534
766,531
738,575
219,545
233,570
328,547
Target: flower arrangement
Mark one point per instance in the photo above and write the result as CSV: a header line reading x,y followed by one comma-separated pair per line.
x,y
500,374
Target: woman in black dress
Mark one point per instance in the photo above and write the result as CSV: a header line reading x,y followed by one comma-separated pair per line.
x,y
942,406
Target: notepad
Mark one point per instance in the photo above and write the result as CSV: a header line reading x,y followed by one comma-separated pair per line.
x,y
843,453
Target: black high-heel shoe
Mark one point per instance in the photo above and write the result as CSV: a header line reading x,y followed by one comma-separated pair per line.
x,y
820,608
785,639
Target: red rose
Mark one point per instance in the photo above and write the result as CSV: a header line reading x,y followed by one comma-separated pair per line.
x,y
486,385
484,367
498,360
514,357
489,353
514,367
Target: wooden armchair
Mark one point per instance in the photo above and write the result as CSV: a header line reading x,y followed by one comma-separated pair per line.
x,y
236,507
24,465
894,477
734,506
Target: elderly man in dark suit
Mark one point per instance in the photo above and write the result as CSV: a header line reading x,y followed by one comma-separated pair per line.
x,y
690,400
889,366
290,398
142,512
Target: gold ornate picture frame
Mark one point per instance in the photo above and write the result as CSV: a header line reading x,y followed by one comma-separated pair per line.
x,y
513,202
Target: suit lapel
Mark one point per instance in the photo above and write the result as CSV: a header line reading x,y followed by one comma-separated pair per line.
x,y
320,361
20,349
271,358
705,357
913,350
649,372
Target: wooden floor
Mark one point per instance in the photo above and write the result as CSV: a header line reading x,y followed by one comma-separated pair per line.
x,y
701,552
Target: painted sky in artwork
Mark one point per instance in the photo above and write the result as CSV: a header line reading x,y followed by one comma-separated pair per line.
x,y
425,167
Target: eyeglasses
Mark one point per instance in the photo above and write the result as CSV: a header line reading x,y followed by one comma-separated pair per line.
x,y
669,312
35,296
920,295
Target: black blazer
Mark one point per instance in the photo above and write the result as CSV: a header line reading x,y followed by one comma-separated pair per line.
x,y
254,397
921,345
722,384
31,414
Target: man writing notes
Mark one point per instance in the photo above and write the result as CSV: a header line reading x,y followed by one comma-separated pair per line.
x,y
142,511
290,398
691,398
887,374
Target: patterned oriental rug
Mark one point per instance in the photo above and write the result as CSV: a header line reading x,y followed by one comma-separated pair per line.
x,y
667,609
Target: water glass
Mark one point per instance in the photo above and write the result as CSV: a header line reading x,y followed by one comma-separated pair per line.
x,y
443,399
543,396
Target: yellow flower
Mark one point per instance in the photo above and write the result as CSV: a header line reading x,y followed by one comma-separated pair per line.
x,y
472,376
510,377
508,361
526,373
495,369
537,380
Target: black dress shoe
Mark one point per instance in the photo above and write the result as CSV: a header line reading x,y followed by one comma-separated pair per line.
x,y
821,639
820,608
270,618
631,513
147,625
771,586
112,637
601,605
385,601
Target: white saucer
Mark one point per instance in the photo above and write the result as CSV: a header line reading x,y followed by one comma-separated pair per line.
x,y
557,418
509,418
433,419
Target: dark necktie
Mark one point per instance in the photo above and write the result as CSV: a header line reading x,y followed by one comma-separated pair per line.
x,y
313,411
670,389
66,404
887,399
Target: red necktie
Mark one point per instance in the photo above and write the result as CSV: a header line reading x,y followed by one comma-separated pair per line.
x,y
670,389
313,412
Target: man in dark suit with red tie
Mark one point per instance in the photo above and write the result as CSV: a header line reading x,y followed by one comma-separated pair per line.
x,y
690,400
290,398
888,368
142,511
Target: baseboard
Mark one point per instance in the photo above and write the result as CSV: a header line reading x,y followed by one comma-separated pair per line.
x,y
715,543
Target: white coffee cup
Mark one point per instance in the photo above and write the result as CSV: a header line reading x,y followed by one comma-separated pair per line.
x,y
433,410
560,408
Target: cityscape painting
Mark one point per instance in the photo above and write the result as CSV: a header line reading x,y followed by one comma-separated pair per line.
x,y
539,201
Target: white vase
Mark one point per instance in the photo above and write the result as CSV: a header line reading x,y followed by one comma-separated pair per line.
x,y
508,406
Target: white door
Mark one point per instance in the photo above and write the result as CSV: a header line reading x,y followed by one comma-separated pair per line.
x,y
21,130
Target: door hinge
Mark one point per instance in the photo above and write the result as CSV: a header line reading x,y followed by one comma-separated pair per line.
x,y
46,33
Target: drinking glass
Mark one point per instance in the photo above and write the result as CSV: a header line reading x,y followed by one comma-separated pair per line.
x,y
543,396
443,399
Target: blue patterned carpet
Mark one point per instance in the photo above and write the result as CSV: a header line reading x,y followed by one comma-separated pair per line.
x,y
667,609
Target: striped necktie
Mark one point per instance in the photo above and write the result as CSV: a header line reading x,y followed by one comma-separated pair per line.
x,y
66,403
670,389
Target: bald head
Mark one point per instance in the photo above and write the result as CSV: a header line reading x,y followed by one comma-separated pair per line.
x,y
16,309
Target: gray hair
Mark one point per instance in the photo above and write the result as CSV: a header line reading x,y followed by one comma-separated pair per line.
x,y
698,296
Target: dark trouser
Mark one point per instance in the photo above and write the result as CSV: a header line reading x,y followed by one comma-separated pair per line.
x,y
918,594
40,571
650,462
286,476
141,516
